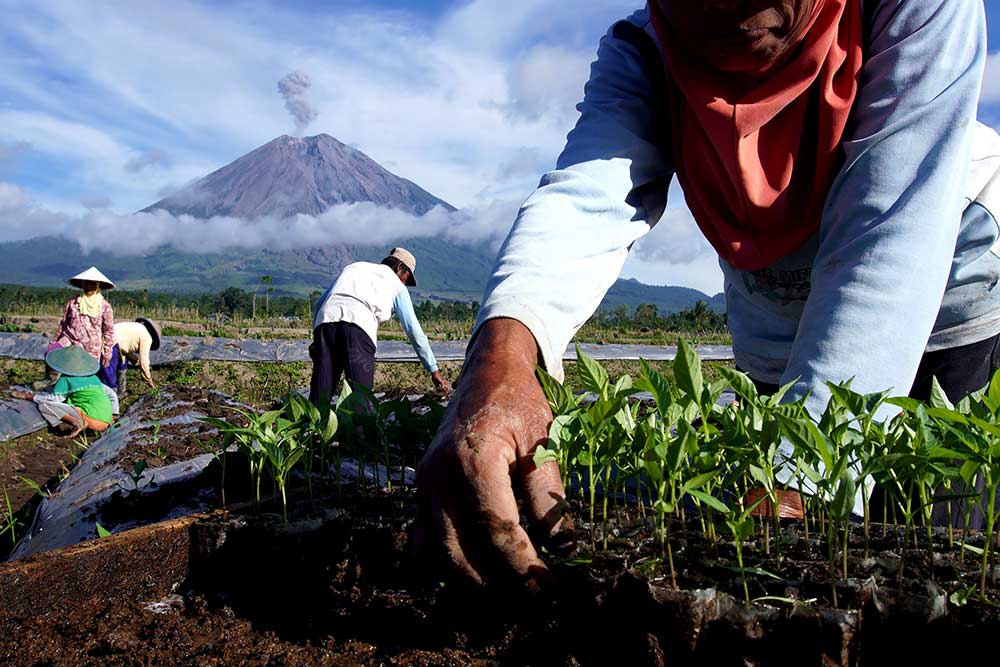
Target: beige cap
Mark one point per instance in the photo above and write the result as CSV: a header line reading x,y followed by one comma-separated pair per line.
x,y
93,275
408,260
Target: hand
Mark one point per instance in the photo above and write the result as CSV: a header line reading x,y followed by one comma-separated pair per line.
x,y
441,384
467,511
23,395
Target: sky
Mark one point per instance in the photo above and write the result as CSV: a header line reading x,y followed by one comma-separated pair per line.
x,y
106,107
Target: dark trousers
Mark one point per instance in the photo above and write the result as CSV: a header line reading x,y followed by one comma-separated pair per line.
x,y
109,374
340,347
960,371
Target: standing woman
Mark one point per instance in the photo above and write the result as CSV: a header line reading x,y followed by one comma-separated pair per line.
x,y
89,322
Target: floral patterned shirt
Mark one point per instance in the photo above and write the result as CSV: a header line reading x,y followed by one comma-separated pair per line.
x,y
95,335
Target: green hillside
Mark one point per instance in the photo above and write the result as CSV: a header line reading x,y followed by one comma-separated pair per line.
x,y
446,271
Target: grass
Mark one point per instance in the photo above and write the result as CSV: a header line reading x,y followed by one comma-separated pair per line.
x,y
260,383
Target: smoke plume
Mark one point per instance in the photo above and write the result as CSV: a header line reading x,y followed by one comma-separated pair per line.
x,y
293,88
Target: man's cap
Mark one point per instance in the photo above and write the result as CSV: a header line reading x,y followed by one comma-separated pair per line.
x,y
154,330
72,360
409,261
94,275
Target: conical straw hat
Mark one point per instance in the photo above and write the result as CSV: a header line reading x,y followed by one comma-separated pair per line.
x,y
154,330
91,274
72,360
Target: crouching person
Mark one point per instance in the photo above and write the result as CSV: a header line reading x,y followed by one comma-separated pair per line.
x,y
78,400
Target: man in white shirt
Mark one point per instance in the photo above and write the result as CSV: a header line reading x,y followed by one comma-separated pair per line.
x,y
345,324
135,341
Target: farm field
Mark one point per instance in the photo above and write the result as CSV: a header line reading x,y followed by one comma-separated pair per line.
x,y
43,458
667,555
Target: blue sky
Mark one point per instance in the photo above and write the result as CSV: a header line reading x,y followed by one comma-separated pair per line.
x,y
106,106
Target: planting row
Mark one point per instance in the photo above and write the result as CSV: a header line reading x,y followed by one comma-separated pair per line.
x,y
728,463
301,436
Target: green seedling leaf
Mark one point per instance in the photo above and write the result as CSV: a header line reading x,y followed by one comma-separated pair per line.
x,y
102,531
543,456
740,383
843,499
778,598
759,572
35,487
961,597
559,396
593,375
655,383
908,404
687,371
711,501
938,398
775,399
851,400
623,386
699,481
991,398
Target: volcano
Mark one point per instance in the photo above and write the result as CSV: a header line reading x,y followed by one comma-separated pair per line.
x,y
289,176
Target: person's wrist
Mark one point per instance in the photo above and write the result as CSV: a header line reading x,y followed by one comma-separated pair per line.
x,y
506,345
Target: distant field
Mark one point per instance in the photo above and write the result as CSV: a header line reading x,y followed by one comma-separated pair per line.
x,y
238,314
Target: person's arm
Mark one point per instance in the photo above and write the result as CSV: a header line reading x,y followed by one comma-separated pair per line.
x,y
572,235
61,329
888,235
565,250
403,307
107,333
60,390
113,400
145,343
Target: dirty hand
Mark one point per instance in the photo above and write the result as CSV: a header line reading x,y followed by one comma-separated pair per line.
x,y
441,384
483,451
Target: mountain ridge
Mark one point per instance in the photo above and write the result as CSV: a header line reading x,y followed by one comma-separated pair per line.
x,y
286,177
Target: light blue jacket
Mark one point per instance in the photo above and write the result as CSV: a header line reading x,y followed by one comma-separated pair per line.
x,y
904,261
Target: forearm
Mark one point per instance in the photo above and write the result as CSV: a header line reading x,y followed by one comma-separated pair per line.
x,y
572,236
147,375
47,397
403,308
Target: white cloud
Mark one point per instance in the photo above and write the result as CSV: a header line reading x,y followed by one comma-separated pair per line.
x,y
991,80
144,233
13,200
96,202
675,252
147,159
547,82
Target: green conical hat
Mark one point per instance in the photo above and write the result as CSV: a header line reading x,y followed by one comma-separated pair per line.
x,y
72,360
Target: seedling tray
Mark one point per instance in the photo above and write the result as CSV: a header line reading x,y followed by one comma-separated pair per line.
x,y
338,587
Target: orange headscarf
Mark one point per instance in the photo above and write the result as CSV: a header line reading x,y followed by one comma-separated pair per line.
x,y
756,167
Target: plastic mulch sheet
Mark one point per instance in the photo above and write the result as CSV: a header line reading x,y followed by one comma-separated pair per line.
x,y
18,418
194,348
99,489
71,513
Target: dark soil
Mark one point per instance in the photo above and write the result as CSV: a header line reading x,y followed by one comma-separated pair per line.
x,y
338,587
40,457
161,444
